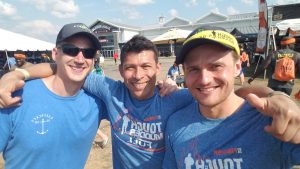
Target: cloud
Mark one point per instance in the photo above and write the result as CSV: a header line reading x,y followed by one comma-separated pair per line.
x,y
65,9
173,12
58,8
41,29
131,13
191,3
248,1
137,2
232,11
7,9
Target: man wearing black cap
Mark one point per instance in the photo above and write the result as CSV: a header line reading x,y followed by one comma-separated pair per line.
x,y
56,123
220,129
282,76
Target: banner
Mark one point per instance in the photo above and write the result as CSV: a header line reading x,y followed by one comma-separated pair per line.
x,y
284,12
263,27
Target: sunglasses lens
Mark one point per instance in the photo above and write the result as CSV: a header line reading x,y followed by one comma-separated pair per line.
x,y
70,49
89,53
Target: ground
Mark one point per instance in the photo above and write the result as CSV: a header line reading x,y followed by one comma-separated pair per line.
x,y
101,158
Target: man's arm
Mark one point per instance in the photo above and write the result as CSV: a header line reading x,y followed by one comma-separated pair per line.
x,y
14,80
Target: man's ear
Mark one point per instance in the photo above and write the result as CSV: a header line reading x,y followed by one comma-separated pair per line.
x,y
54,53
238,67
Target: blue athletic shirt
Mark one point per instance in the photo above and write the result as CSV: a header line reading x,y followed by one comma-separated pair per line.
x,y
49,131
137,126
236,142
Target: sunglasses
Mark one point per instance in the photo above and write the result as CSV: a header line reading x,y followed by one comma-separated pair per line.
x,y
72,50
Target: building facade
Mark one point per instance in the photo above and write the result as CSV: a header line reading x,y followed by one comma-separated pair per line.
x,y
113,35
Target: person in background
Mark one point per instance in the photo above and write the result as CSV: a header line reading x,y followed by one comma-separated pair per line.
x,y
245,62
56,123
284,64
115,56
220,129
20,61
175,74
97,66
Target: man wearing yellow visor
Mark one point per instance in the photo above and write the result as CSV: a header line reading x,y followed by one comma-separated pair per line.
x,y
220,129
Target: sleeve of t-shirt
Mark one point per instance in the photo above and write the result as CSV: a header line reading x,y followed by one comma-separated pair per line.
x,y
99,86
179,99
169,158
5,128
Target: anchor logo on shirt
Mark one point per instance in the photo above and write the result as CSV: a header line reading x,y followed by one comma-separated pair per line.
x,y
41,121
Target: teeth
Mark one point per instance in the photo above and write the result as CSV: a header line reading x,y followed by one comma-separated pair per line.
x,y
206,89
77,69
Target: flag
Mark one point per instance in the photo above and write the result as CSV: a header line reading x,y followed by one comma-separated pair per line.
x,y
263,27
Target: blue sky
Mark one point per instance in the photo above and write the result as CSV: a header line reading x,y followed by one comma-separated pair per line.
x,y
42,19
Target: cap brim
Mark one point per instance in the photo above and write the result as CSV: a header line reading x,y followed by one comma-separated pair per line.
x,y
193,44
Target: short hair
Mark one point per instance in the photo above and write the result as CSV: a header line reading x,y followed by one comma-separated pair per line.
x,y
138,44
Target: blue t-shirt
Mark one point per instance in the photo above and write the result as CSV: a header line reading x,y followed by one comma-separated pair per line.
x,y
137,126
49,131
236,142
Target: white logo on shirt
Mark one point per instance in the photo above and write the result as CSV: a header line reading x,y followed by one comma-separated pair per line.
x,y
41,121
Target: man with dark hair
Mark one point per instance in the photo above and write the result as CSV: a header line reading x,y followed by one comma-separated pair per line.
x,y
20,61
220,129
56,123
291,64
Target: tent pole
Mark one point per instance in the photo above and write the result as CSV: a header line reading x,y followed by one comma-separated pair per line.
x,y
7,60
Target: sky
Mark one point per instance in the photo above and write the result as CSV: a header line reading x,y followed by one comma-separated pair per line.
x,y
42,19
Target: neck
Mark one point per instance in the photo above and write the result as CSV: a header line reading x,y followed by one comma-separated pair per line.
x,y
224,109
60,87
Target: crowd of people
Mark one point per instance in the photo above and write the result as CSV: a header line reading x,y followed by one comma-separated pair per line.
x,y
154,124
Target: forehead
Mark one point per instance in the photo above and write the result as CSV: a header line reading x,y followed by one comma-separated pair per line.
x,y
205,53
138,57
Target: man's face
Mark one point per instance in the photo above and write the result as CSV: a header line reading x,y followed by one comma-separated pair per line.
x,y
20,62
139,71
73,69
209,74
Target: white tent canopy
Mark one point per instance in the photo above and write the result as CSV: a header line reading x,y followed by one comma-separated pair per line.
x,y
293,24
174,34
13,41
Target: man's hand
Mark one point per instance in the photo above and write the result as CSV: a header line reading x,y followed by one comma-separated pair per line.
x,y
9,83
285,114
167,86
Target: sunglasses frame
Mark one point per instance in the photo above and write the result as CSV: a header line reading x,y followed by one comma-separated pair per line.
x,y
72,50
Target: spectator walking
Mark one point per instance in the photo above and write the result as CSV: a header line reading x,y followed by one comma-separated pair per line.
x,y
115,56
283,63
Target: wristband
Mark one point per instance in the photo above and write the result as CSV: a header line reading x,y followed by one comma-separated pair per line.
x,y
24,72
278,93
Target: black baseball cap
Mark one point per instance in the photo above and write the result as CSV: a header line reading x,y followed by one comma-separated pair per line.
x,y
71,29
207,35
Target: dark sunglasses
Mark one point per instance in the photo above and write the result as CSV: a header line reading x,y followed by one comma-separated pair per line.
x,y
72,50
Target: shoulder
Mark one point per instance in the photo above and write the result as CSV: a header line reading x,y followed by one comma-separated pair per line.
x,y
184,115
